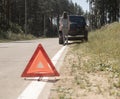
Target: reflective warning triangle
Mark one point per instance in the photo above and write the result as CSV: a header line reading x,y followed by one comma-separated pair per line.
x,y
40,65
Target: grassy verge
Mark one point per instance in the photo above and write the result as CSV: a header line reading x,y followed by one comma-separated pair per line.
x,y
9,36
13,32
92,70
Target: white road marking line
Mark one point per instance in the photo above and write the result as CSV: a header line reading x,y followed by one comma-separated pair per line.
x,y
33,90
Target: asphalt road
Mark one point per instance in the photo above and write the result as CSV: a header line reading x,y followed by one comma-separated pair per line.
x,y
14,57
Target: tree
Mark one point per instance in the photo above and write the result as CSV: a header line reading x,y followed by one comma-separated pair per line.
x,y
39,14
103,12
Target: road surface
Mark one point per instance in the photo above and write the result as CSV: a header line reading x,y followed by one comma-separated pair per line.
x,y
14,57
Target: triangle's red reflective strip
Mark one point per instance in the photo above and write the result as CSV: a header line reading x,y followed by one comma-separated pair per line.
x,y
32,69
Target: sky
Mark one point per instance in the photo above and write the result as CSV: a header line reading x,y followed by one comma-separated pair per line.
x,y
83,4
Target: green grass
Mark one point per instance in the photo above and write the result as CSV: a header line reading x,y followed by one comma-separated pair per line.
x,y
103,48
100,54
94,66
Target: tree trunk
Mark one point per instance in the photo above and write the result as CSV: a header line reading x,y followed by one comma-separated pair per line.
x,y
119,10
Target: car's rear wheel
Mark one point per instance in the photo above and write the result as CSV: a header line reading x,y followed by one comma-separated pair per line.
x,y
60,37
86,35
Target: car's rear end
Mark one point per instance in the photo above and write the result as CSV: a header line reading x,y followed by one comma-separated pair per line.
x,y
76,28
76,25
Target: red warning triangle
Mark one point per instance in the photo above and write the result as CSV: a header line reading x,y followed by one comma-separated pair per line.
x,y
40,65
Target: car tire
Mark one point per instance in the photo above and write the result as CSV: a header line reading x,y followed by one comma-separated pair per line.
x,y
86,36
60,37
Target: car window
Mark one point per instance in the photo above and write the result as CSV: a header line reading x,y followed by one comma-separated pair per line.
x,y
77,19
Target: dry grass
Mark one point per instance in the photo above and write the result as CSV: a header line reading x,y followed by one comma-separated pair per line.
x,y
92,70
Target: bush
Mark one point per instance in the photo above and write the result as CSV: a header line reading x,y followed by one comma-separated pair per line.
x,y
14,33
15,28
3,35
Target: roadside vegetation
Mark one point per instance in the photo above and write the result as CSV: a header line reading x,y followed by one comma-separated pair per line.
x,y
92,70
36,16
9,36
14,32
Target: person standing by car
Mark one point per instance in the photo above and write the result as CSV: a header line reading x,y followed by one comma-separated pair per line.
x,y
64,27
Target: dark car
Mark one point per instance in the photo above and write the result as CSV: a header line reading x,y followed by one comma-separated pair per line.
x,y
76,27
